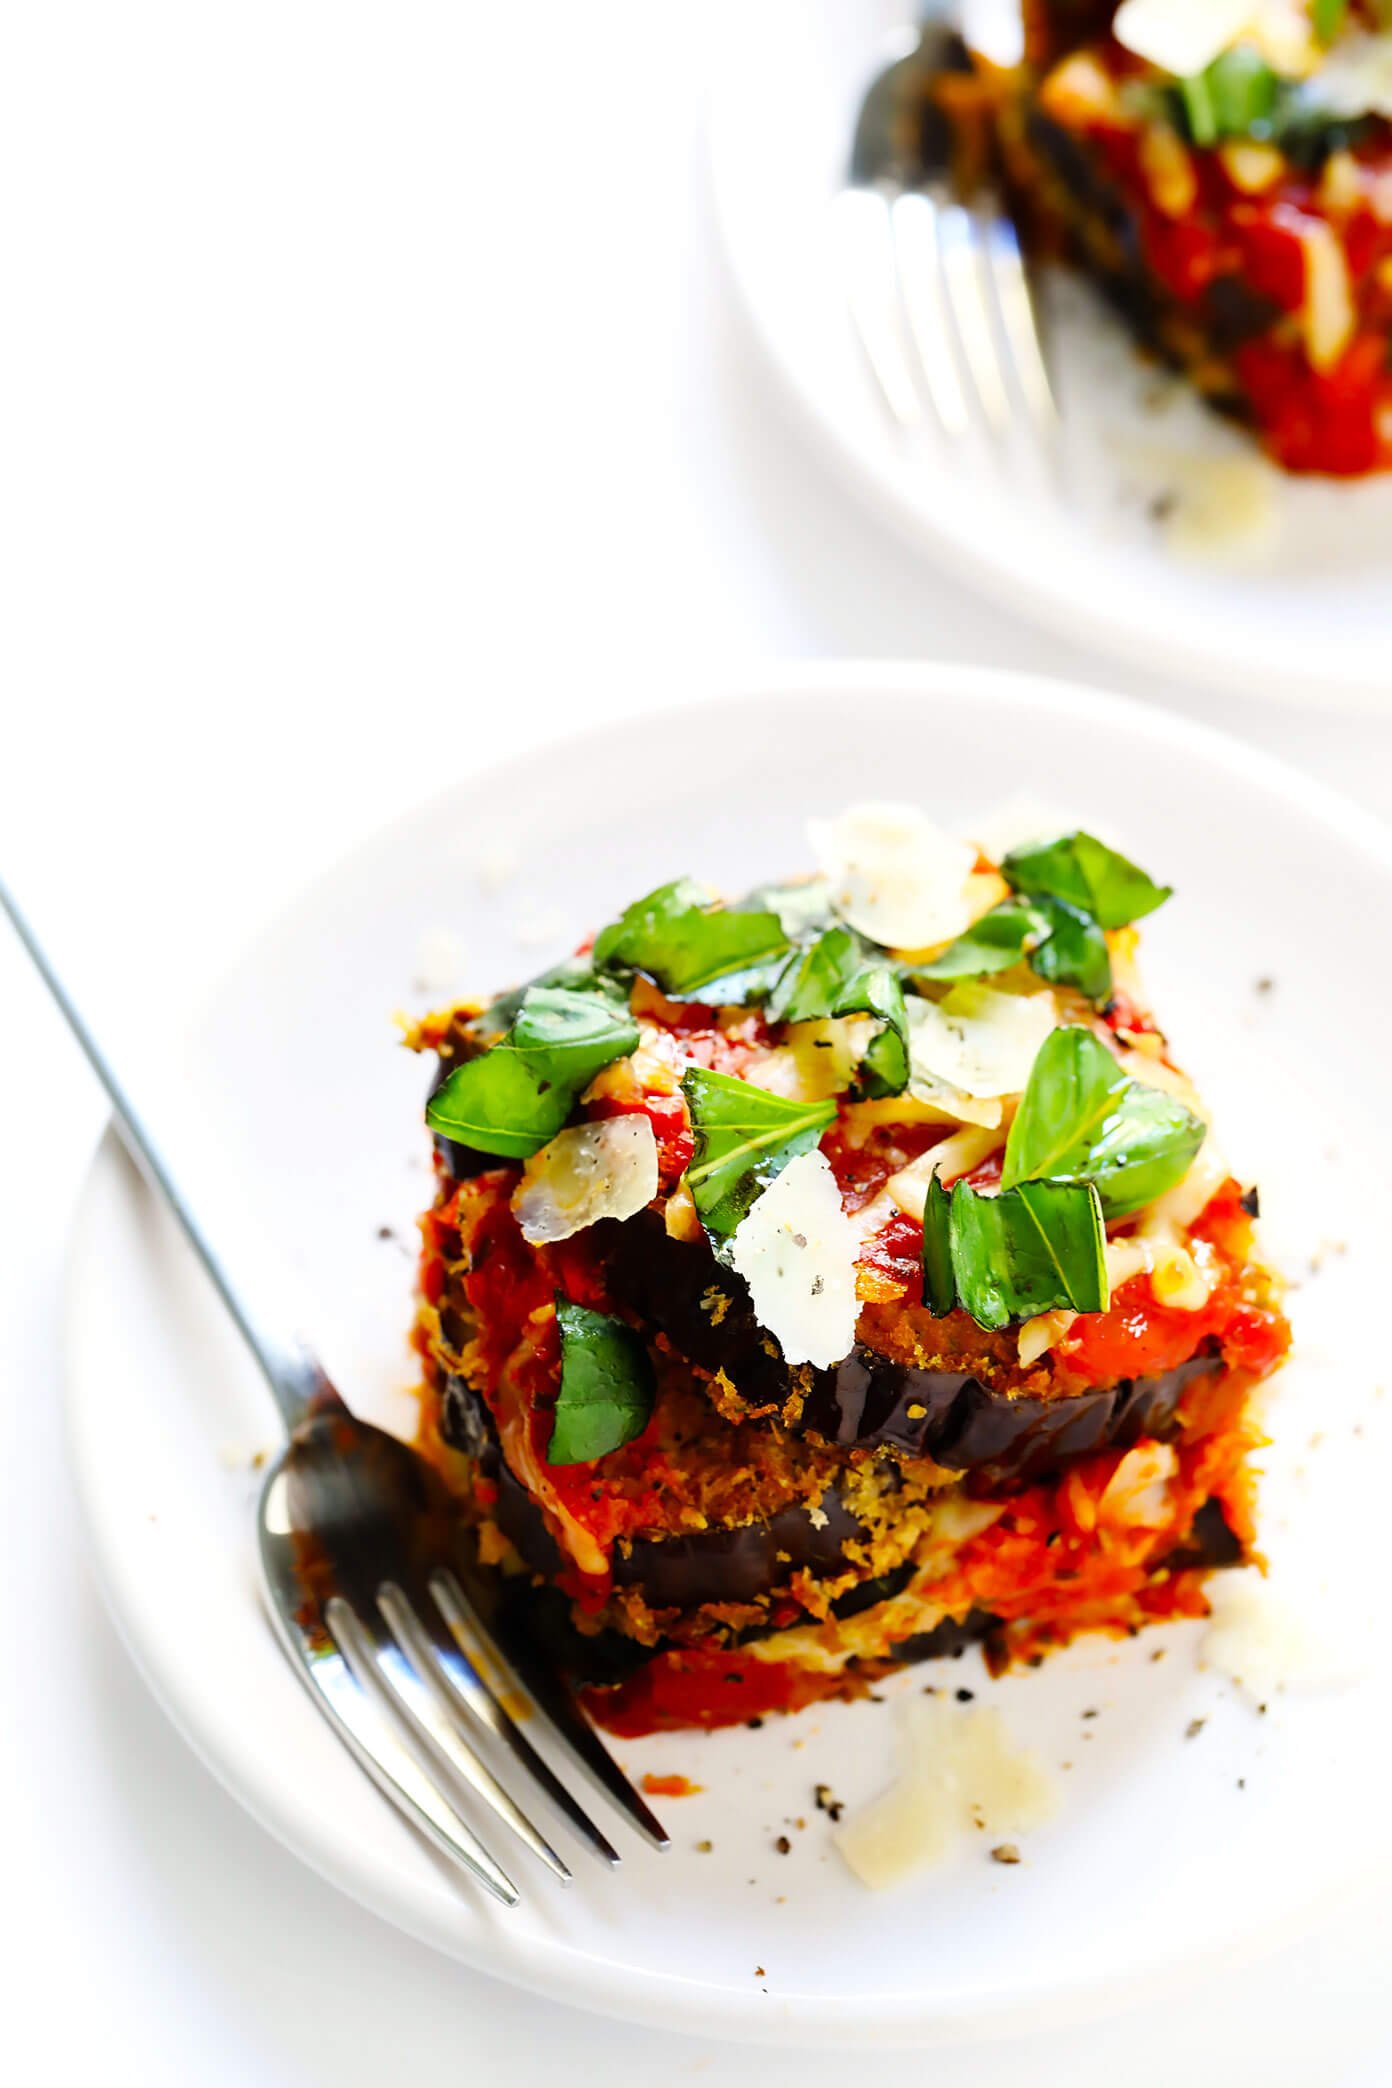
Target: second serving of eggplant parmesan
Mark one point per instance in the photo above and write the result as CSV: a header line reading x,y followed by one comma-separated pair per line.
x,y
1224,169
817,1282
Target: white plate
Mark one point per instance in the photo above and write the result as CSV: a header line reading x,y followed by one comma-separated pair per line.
x,y
1158,1861
1305,614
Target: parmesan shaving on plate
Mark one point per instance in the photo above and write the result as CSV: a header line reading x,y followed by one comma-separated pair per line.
x,y
1259,1641
895,876
593,1171
977,1044
960,1776
796,1249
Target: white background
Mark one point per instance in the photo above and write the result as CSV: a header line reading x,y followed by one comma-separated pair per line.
x,y
373,405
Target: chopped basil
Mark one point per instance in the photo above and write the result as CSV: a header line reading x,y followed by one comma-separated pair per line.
x,y
837,975
744,1138
576,974
1327,18
1002,937
1082,1117
607,1386
515,1096
1036,1248
1086,875
939,1281
1234,97
1074,952
691,949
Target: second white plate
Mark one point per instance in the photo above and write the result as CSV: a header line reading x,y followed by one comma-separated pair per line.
x,y
1304,613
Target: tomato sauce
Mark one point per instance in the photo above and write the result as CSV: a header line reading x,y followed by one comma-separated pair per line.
x,y
1336,420
705,1688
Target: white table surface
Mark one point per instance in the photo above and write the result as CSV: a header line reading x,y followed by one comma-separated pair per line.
x,y
373,405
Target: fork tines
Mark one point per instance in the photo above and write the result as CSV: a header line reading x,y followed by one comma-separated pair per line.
x,y
941,302
414,1683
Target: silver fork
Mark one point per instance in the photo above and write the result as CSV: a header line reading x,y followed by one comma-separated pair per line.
x,y
936,286
369,1581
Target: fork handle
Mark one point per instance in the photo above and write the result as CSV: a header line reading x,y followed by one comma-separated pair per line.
x,y
297,1380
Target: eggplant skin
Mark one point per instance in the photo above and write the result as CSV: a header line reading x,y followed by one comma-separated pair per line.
x,y
869,1401
743,1562
1210,1544
737,1564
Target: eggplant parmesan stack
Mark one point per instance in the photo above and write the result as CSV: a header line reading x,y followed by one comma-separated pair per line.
x,y
1224,169
816,1282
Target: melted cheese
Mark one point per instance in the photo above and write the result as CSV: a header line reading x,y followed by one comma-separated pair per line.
x,y
1180,1276
895,876
955,1156
1037,1336
1138,1492
593,1171
1327,315
960,1777
797,1249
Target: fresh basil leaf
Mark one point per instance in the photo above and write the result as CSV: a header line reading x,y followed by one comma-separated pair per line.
x,y
1002,937
607,1386
1082,1117
1327,18
745,1137
939,1283
884,1070
515,1096
837,975
1036,1248
576,974
1074,952
1086,875
684,945
1234,97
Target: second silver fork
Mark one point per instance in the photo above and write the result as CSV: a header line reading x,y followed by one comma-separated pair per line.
x,y
936,286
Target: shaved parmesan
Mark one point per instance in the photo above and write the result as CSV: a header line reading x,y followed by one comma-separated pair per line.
x,y
796,1249
977,1045
1181,36
593,1171
894,876
960,1774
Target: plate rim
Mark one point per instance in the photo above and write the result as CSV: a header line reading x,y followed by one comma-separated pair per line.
x,y
550,1966
1349,684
